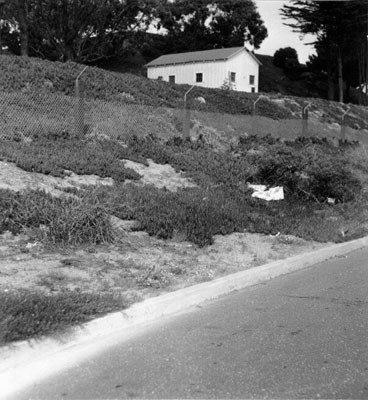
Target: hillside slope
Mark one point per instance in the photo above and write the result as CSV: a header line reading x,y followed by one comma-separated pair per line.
x,y
21,74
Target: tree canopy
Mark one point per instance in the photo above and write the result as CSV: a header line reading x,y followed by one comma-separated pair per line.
x,y
207,24
340,28
82,31
286,57
89,31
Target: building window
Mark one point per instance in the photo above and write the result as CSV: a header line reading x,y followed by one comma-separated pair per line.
x,y
199,77
160,78
172,78
253,89
232,76
252,79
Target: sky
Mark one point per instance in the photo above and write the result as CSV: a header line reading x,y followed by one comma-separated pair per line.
x,y
279,35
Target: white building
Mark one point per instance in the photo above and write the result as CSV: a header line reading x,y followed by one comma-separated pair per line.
x,y
236,67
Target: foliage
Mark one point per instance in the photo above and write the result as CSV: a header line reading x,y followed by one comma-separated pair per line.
x,y
276,80
26,314
197,213
83,31
54,156
286,58
307,168
340,29
56,220
310,170
200,25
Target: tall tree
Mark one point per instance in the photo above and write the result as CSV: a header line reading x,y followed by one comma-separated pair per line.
x,y
17,14
207,24
78,30
334,24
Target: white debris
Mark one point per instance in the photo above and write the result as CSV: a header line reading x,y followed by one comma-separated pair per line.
x,y
257,188
261,192
201,100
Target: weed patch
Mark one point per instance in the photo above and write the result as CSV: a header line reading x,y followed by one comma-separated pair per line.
x,y
310,171
26,314
53,157
54,220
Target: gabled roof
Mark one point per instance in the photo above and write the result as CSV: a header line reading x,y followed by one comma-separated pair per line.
x,y
199,56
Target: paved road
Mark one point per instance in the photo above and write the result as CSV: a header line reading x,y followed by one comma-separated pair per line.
x,y
303,335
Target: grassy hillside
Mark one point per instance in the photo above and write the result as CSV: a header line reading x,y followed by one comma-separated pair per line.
x,y
20,74
325,184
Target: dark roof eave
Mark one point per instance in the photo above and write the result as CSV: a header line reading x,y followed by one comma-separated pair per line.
x,y
163,63
185,62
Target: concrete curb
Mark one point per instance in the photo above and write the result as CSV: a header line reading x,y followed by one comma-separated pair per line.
x,y
23,357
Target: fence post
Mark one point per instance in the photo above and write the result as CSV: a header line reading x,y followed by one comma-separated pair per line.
x,y
186,116
343,126
79,109
305,120
254,114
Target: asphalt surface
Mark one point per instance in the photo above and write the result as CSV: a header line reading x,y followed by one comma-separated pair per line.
x,y
303,335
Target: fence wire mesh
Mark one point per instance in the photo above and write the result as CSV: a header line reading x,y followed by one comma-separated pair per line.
x,y
29,114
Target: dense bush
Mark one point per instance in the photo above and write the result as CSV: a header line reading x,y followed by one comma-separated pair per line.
x,y
53,220
286,58
310,169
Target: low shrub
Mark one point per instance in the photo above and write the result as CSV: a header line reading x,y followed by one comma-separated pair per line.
x,y
198,160
199,214
308,168
54,220
27,314
55,156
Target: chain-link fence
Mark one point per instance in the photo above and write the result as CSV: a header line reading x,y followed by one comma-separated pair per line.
x,y
28,114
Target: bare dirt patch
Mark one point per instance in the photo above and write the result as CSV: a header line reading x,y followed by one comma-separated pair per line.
x,y
14,178
139,265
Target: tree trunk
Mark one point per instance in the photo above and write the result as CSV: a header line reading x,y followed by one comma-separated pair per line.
x,y
365,75
23,27
341,82
360,78
331,85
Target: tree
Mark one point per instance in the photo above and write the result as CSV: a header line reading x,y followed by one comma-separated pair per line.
x,y
79,30
16,15
335,24
286,58
208,24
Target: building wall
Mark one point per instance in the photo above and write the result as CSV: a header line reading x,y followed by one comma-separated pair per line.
x,y
244,66
214,72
